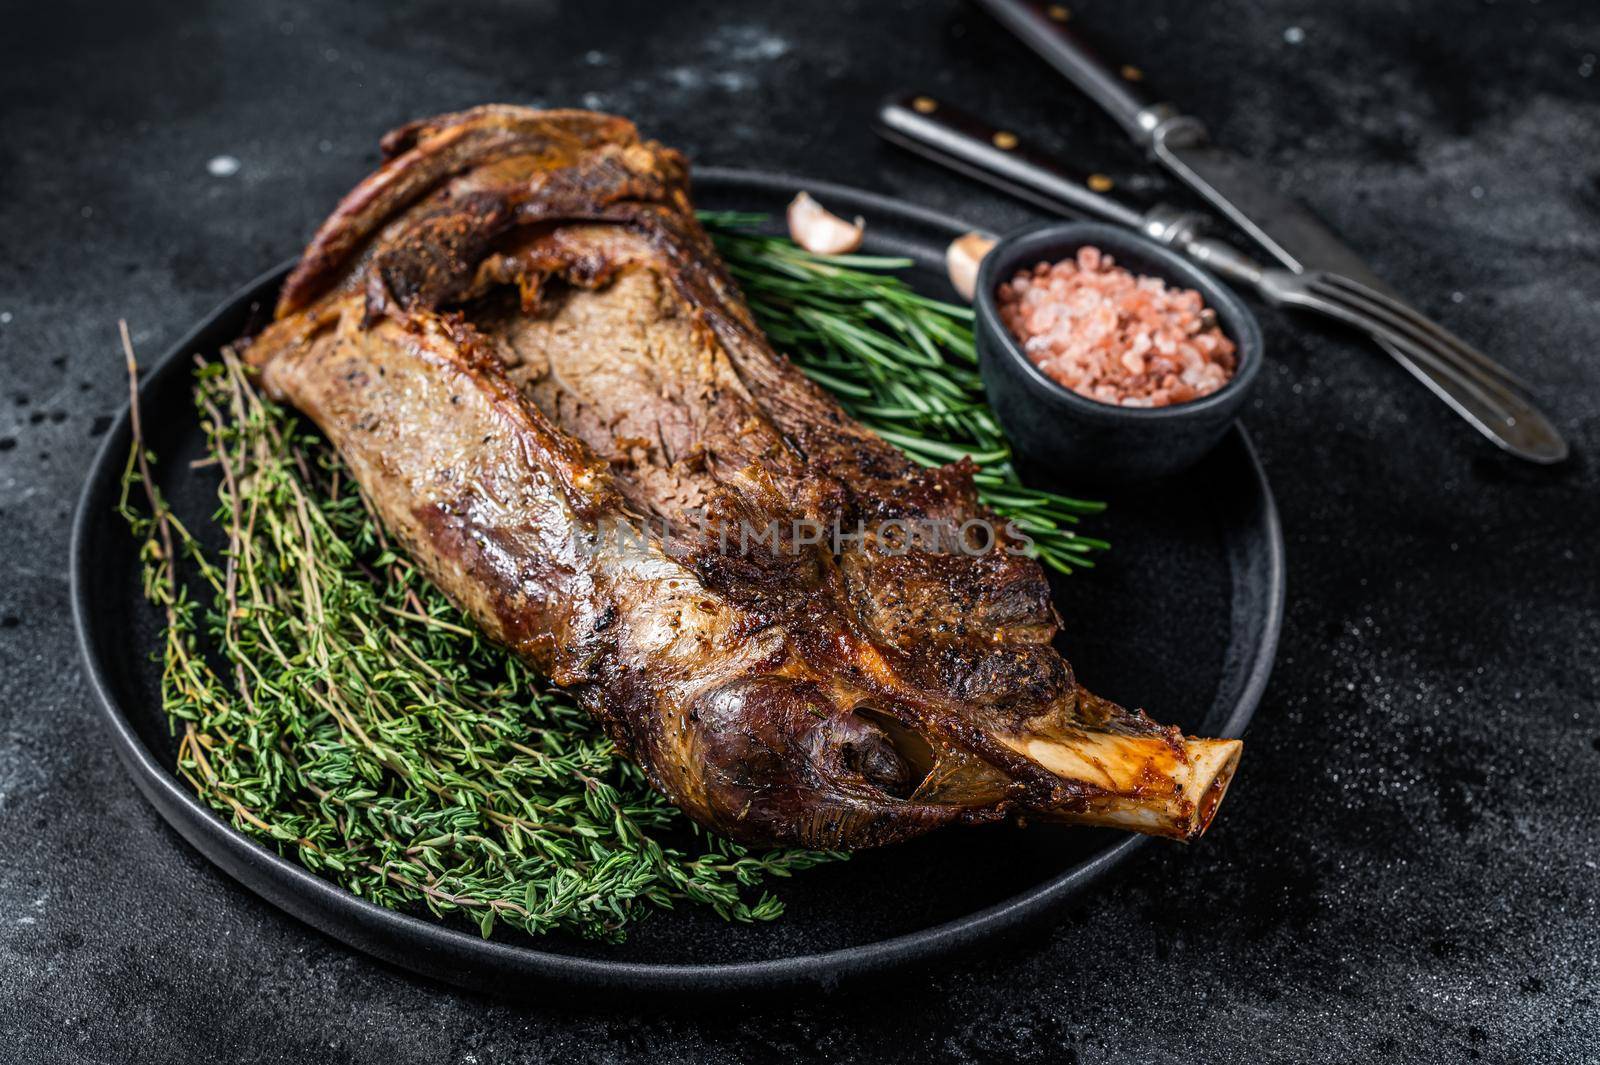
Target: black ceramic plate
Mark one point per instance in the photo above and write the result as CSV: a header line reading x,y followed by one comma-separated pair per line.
x,y
1194,582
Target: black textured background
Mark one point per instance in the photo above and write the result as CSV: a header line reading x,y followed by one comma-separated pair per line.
x,y
1407,867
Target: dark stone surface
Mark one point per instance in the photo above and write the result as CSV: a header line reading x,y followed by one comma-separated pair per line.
x,y
1407,868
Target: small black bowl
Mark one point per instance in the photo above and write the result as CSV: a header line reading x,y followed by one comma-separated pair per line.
x,y
1088,442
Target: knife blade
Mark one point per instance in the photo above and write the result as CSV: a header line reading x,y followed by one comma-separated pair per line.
x,y
1237,189
1283,228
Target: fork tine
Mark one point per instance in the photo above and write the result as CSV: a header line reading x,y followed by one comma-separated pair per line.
x,y
1419,344
1422,322
1392,309
1501,413
1426,352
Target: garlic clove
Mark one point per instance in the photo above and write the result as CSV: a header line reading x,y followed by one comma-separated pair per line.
x,y
962,259
821,232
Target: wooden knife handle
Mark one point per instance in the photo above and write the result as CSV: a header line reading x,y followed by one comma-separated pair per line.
x,y
962,142
1046,28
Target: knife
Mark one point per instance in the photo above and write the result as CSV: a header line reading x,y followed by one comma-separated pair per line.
x,y
948,135
1236,188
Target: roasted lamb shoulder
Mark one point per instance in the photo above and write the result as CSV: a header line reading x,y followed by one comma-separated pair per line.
x,y
525,348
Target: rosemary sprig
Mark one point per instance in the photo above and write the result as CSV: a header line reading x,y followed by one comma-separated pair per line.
x,y
899,362
331,703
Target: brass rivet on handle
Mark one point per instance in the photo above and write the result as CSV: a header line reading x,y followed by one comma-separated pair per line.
x,y
1132,73
1058,13
1100,183
925,105
1005,140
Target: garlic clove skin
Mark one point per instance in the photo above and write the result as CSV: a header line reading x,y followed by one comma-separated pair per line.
x,y
962,259
817,230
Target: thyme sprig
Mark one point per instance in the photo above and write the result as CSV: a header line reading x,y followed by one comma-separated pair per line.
x,y
356,720
332,704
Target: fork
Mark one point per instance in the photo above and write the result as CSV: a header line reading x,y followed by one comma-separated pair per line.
x,y
1385,318
1477,388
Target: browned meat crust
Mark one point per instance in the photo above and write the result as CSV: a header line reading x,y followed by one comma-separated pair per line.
x,y
525,347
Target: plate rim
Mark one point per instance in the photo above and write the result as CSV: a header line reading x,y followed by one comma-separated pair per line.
x,y
433,949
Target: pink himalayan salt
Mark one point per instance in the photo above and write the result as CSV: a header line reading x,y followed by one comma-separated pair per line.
x,y
1110,336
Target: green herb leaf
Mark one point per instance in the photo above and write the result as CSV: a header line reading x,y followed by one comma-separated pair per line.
x,y
331,703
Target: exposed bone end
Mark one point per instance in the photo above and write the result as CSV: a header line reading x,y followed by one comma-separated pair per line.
x,y
1140,783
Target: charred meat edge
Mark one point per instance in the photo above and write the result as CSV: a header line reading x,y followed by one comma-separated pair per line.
x,y
526,349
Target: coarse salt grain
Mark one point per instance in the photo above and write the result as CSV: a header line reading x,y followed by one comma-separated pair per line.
x,y
1113,337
